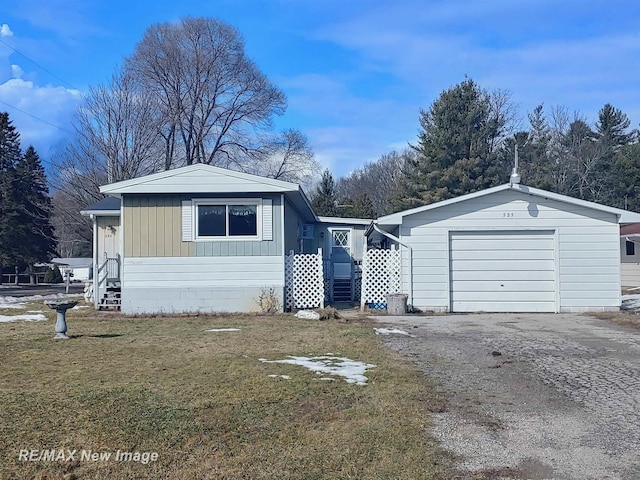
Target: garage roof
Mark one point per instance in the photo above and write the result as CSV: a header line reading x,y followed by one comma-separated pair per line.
x,y
624,216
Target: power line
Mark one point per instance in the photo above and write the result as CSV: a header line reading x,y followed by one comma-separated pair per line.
x,y
37,118
38,65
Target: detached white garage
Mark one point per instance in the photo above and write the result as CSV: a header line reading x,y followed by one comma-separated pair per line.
x,y
511,248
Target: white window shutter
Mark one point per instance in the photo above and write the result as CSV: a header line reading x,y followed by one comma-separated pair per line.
x,y
187,221
267,219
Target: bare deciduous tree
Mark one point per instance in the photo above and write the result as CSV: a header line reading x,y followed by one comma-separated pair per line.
x,y
73,231
379,180
212,97
116,139
287,157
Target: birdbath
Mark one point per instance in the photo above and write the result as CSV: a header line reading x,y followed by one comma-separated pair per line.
x,y
61,307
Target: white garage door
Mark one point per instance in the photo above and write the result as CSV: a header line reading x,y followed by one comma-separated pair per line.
x,y
502,271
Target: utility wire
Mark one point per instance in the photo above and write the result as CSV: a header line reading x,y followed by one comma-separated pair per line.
x,y
38,65
37,118
45,70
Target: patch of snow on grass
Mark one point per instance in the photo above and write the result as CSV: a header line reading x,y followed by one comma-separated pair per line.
x,y
34,298
38,317
389,331
10,306
353,371
286,377
78,307
224,330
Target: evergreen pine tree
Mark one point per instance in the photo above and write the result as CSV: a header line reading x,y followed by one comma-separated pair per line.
x,y
359,207
9,192
456,149
36,232
324,201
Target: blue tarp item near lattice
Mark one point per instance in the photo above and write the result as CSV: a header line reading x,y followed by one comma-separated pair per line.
x,y
378,306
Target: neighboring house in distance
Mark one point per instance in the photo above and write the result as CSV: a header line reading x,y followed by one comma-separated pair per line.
x,y
510,248
630,255
203,238
81,268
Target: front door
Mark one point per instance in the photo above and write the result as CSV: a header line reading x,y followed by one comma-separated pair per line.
x,y
341,253
111,241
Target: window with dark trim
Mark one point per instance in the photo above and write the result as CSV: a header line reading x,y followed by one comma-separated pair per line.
x,y
227,220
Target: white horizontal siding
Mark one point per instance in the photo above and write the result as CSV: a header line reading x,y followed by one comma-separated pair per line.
x,y
199,284
630,273
178,272
587,248
591,270
508,207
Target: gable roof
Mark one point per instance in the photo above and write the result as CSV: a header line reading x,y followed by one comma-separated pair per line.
x,y
199,178
203,179
624,216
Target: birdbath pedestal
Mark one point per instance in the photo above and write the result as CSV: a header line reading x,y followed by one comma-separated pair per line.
x,y
61,307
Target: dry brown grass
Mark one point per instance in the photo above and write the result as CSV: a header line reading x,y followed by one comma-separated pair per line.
x,y
630,318
204,402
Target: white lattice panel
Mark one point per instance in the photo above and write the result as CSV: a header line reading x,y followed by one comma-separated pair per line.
x,y
380,275
305,281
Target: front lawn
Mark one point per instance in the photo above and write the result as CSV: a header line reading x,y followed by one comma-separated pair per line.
x,y
204,403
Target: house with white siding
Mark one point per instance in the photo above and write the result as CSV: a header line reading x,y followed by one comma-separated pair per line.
x,y
511,248
203,239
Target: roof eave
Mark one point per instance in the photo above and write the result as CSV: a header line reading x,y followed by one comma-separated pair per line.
x,y
345,220
145,184
100,213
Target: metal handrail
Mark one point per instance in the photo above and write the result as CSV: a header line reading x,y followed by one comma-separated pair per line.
x,y
109,271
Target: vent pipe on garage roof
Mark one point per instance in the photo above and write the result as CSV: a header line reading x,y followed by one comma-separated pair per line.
x,y
515,176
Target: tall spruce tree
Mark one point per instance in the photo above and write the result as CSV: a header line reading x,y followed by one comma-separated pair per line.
x,y
9,204
612,134
324,201
34,224
457,147
26,234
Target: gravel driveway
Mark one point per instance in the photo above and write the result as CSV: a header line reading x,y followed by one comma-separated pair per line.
x,y
531,396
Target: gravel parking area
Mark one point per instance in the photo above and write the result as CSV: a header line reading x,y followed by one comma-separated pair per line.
x,y
531,396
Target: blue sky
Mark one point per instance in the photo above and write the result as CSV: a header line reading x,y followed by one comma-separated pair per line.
x,y
356,72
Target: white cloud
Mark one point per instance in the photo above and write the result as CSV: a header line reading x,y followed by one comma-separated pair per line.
x,y
5,31
53,107
520,47
16,71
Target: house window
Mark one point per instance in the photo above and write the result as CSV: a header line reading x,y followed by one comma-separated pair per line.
x,y
631,248
227,219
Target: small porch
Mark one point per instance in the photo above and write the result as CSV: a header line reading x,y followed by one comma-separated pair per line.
x,y
107,289
107,248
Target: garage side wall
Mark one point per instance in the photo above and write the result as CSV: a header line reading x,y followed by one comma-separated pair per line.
x,y
586,257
